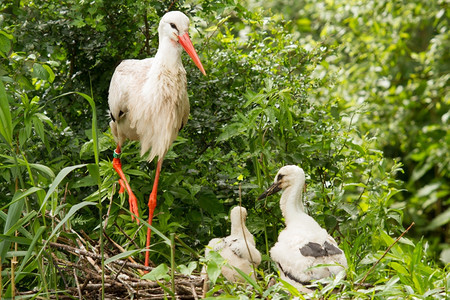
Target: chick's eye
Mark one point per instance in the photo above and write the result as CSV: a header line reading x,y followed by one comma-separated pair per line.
x,y
173,26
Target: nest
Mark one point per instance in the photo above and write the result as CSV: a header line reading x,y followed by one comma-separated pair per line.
x,y
82,276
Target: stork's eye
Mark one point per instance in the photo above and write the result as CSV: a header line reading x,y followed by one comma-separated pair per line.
x,y
173,26
280,176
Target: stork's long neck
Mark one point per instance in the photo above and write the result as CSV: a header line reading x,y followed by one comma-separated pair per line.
x,y
168,55
238,228
292,203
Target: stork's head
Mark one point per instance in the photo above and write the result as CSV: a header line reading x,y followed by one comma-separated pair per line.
x,y
175,25
238,213
287,176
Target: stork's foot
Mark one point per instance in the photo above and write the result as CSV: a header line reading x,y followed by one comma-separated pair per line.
x,y
122,186
132,200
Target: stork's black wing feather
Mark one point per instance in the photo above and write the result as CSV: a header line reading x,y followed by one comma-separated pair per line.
x,y
317,250
313,249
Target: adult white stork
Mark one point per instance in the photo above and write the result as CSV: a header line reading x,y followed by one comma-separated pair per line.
x,y
238,249
148,102
303,244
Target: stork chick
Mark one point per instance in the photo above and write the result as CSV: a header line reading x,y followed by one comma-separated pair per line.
x,y
148,102
303,244
238,249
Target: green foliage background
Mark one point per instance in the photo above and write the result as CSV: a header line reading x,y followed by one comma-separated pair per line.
x,y
355,94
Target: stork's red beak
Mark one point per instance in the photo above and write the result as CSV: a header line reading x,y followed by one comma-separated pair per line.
x,y
185,41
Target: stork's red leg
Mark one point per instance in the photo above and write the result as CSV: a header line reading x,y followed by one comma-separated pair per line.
x,y
117,165
151,209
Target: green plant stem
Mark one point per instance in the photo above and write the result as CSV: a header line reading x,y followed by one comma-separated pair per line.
x,y
1,280
172,261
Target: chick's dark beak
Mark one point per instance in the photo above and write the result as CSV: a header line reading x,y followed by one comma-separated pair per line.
x,y
274,188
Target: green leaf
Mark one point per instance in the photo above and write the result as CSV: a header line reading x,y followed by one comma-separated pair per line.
x,y
20,195
20,222
43,169
189,269
39,127
230,131
250,280
40,72
94,125
36,238
440,220
51,74
122,255
69,215
292,290
5,43
6,126
158,273
213,270
400,269
15,239
208,201
61,175
14,213
94,172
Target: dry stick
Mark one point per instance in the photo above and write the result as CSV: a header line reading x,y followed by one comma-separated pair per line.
x,y
126,235
78,252
91,275
89,259
122,250
384,254
58,269
194,293
130,290
77,283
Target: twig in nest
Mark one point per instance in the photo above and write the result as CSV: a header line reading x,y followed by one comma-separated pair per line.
x,y
121,249
384,254
77,283
194,293
61,274
96,256
89,259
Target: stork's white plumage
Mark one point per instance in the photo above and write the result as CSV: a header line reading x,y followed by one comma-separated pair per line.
x,y
238,249
303,244
148,100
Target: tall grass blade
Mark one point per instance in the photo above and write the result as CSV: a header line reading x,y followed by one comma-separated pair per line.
x,y
14,213
19,223
71,212
29,252
122,255
6,125
94,171
94,125
61,175
20,195
250,280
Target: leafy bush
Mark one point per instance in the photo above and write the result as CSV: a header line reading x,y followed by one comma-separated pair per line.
x,y
393,60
